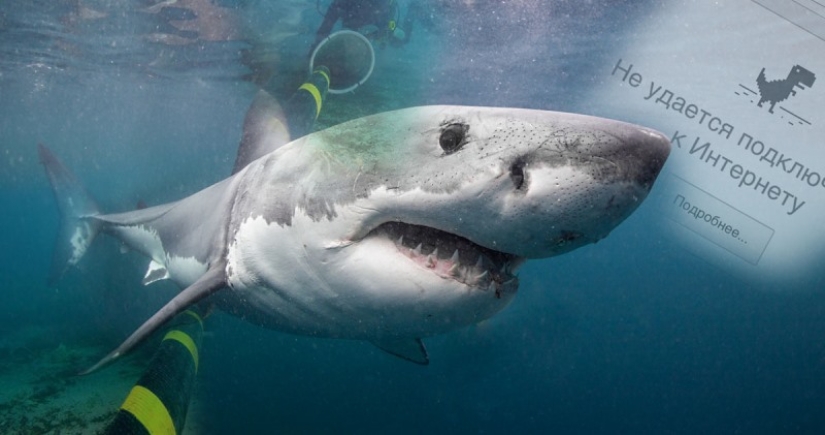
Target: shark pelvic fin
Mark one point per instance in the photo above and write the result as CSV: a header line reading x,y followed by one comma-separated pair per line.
x,y
155,272
410,349
213,280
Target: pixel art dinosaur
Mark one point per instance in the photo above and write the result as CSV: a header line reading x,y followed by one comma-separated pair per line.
x,y
775,91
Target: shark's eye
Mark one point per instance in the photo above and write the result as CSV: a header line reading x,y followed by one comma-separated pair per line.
x,y
452,137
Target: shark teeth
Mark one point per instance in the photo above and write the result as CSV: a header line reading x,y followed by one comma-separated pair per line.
x,y
491,270
431,261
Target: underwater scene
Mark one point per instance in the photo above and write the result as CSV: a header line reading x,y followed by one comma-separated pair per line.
x,y
411,216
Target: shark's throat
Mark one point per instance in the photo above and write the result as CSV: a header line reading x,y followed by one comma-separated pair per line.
x,y
451,256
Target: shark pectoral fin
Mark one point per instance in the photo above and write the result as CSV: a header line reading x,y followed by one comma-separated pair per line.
x,y
411,349
213,280
155,272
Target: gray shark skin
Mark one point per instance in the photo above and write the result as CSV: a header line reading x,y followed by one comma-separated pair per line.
x,y
388,228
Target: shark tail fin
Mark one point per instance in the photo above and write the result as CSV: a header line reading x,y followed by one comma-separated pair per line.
x,y
77,230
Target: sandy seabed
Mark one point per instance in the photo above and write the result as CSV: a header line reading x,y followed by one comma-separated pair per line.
x,y
40,392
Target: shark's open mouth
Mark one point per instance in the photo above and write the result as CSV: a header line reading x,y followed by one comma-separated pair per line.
x,y
454,257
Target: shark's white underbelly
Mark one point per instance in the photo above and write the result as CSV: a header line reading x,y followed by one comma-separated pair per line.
x,y
297,289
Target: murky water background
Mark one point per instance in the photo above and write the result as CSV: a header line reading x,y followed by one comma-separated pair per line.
x,y
633,335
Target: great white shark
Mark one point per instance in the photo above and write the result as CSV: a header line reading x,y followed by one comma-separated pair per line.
x,y
387,228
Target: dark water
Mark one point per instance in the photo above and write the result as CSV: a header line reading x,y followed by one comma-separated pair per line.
x,y
633,335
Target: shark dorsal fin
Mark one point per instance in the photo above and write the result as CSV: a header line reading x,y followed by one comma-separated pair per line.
x,y
265,129
268,125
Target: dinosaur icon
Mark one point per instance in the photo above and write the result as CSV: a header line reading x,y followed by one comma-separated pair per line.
x,y
775,91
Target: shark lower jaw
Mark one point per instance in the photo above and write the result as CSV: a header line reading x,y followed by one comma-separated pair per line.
x,y
453,257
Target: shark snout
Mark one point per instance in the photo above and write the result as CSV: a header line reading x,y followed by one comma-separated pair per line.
x,y
581,189
624,153
644,152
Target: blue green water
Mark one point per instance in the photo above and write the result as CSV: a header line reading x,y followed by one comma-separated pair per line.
x,y
633,335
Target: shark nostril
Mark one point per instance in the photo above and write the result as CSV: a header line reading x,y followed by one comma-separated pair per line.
x,y
517,173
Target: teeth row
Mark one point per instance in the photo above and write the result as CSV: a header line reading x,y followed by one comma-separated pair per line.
x,y
432,258
456,269
434,254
